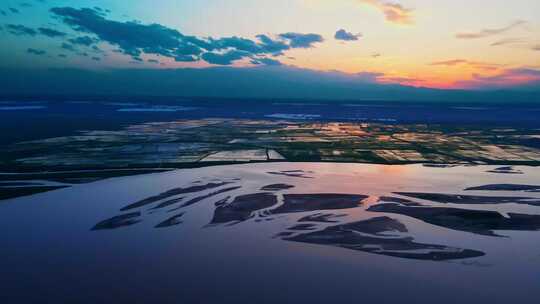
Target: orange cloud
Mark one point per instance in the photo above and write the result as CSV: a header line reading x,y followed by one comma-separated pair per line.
x,y
472,64
508,41
518,42
393,12
490,32
465,74
507,78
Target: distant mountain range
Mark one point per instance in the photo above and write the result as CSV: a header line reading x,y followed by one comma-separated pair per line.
x,y
280,82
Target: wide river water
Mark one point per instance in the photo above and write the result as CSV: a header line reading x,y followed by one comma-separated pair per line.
x,y
279,233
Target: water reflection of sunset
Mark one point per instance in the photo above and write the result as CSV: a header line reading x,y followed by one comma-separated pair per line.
x,y
396,170
362,179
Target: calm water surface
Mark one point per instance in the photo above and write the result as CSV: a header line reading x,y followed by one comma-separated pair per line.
x,y
281,232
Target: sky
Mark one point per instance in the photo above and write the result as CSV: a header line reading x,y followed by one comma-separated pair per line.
x,y
444,44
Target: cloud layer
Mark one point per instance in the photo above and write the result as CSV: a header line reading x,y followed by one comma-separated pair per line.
x,y
393,12
136,39
490,32
462,62
514,77
346,36
36,52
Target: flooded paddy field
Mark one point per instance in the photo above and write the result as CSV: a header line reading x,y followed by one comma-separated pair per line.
x,y
279,232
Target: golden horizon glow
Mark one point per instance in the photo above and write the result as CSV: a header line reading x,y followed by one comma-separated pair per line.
x,y
456,44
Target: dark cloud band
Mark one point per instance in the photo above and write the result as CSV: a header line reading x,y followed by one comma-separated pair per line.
x,y
135,39
346,36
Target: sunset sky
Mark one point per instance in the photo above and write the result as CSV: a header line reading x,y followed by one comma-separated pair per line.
x,y
439,44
